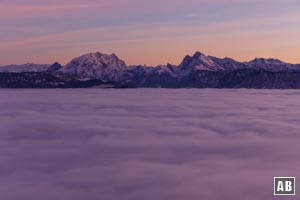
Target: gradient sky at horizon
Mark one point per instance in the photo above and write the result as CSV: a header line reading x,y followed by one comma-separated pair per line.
x,y
148,32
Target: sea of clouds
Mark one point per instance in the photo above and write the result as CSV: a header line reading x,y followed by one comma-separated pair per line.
x,y
147,144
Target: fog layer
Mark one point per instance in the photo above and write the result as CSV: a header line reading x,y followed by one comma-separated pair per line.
x,y
147,144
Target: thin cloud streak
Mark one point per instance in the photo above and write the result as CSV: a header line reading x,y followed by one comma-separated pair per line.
x,y
16,11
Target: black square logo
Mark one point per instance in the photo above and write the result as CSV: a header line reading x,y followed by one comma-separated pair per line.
x,y
284,186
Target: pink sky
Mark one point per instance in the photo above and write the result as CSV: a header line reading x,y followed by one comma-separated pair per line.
x,y
148,32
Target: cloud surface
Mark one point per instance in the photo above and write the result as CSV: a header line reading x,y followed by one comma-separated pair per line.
x,y
146,144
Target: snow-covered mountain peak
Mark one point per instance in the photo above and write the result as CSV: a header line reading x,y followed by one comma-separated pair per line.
x,y
95,66
199,61
271,65
269,61
29,67
98,59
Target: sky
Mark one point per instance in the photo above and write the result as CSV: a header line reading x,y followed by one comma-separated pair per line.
x,y
148,32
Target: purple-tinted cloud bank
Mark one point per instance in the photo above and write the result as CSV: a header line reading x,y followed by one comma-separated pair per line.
x,y
146,144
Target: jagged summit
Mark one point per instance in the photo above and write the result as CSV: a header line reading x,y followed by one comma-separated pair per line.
x,y
198,54
54,68
198,61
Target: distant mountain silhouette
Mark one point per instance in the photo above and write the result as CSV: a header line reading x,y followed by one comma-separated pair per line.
x,y
197,71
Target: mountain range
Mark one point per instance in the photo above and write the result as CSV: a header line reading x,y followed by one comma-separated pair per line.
x,y
197,71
